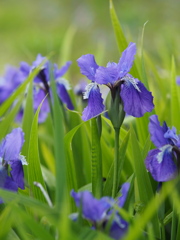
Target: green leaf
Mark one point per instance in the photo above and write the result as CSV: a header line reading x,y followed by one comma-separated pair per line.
x,y
37,230
175,103
60,161
71,174
143,183
109,180
8,119
96,161
27,119
38,207
34,167
120,37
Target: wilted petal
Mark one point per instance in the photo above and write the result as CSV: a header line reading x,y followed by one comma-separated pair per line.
x,y
92,209
95,102
88,66
157,132
64,96
17,173
136,98
124,191
126,61
105,75
60,72
160,163
12,144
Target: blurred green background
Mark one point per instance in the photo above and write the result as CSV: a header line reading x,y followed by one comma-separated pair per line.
x,y
29,27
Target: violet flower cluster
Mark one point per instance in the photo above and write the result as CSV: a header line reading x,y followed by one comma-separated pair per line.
x,y
11,161
163,162
41,84
133,96
101,213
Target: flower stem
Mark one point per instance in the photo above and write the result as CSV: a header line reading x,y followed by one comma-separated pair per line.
x,y
96,163
116,159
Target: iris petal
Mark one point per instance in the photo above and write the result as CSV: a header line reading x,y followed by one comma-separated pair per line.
x,y
160,163
17,173
95,102
64,96
126,61
12,144
136,98
88,66
105,75
59,73
157,132
92,209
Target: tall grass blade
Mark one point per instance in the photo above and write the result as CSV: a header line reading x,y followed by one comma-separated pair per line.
x,y
34,167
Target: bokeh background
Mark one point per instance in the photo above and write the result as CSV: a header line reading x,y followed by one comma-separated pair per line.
x,y
29,27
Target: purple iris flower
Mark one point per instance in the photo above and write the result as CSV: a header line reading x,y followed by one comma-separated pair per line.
x,y
42,85
136,99
9,82
10,149
162,162
101,212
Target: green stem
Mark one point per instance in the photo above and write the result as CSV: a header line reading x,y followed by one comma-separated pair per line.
x,y
96,164
116,159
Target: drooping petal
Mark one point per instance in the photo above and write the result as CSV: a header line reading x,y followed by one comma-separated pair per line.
x,y
157,132
64,96
6,182
88,66
126,61
92,208
124,191
17,173
95,102
136,98
118,228
160,163
10,184
60,72
12,145
105,75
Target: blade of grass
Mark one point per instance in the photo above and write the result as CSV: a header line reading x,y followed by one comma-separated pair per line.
x,y
143,182
120,37
9,118
27,118
96,161
60,161
34,168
